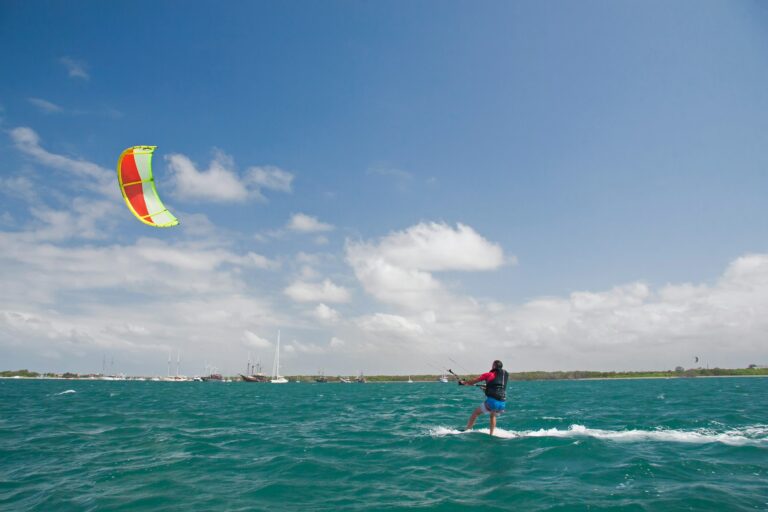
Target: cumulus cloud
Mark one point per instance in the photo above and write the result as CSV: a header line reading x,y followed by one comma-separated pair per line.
x,y
627,326
325,291
434,247
397,269
141,298
254,340
217,183
326,314
307,224
727,313
221,182
75,68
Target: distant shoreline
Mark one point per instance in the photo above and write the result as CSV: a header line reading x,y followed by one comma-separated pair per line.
x,y
673,377
517,376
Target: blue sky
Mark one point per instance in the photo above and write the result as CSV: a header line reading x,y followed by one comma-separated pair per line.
x,y
562,185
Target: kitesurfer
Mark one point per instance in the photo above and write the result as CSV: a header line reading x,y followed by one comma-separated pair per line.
x,y
495,394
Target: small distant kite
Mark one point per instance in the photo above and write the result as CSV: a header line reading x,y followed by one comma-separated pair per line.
x,y
697,359
134,172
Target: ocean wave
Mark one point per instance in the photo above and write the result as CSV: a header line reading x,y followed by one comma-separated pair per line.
x,y
67,392
752,435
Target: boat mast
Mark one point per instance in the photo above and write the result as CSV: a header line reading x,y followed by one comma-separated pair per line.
x,y
276,364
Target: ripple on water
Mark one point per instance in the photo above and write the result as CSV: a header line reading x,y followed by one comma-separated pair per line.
x,y
150,446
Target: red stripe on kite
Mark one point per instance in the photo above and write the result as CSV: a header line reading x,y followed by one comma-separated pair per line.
x,y
135,195
128,169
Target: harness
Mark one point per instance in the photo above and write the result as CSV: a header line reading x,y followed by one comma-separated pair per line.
x,y
497,388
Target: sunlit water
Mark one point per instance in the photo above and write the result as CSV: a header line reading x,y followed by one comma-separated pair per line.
x,y
673,444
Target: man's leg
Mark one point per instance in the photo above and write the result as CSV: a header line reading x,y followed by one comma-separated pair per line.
x,y
475,414
493,422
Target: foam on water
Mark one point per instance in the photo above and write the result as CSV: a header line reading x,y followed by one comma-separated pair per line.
x,y
67,392
756,435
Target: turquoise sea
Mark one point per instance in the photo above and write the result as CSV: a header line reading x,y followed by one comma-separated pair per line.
x,y
668,444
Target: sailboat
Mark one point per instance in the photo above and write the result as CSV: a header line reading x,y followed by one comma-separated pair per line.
x,y
276,377
253,372
443,378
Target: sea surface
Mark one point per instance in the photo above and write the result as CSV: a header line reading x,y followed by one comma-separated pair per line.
x,y
666,445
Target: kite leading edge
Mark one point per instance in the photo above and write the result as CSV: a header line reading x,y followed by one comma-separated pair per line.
x,y
134,173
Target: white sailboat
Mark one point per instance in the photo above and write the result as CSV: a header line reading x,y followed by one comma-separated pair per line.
x,y
276,378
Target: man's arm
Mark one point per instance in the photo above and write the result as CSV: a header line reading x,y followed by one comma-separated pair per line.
x,y
472,382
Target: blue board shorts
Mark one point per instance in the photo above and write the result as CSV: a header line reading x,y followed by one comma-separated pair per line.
x,y
491,405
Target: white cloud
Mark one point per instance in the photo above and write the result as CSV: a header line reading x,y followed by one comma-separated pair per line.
x,y
629,326
221,181
252,259
253,340
84,216
19,187
725,317
308,272
218,183
632,326
140,299
396,270
62,296
75,68
326,291
208,259
304,348
305,257
32,267
394,285
307,224
393,324
147,296
27,141
85,219
326,314
270,177
434,247
45,106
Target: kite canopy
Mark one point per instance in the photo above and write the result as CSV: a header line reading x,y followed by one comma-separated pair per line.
x,y
134,172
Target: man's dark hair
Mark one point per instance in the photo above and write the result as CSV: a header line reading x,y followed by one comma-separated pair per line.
x,y
497,365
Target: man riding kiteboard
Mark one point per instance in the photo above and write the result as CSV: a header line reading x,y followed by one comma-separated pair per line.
x,y
495,394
